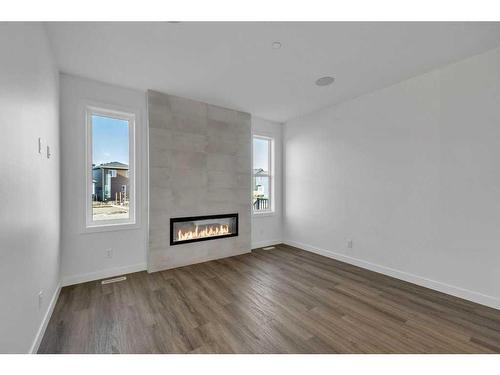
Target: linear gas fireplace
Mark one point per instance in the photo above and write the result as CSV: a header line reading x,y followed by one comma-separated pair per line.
x,y
202,228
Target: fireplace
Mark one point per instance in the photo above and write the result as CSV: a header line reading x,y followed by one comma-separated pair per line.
x,y
202,228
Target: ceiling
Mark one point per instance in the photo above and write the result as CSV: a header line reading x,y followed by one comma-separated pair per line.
x,y
234,65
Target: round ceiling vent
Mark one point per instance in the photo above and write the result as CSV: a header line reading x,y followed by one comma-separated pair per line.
x,y
325,81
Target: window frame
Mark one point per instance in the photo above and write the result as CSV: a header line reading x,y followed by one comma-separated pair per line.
x,y
131,116
271,210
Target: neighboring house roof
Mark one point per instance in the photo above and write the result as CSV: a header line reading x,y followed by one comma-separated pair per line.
x,y
112,165
259,171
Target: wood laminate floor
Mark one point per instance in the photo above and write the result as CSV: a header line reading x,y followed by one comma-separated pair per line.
x,y
281,301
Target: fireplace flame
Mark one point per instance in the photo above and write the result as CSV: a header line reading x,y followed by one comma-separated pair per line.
x,y
211,231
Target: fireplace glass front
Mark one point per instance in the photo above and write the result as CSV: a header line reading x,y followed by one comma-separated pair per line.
x,y
202,228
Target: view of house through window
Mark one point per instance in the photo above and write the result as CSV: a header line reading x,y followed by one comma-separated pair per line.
x,y
262,177
110,157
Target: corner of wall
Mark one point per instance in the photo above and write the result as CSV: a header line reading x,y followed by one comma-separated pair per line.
x,y
45,321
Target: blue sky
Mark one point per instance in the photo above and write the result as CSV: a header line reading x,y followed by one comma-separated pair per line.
x,y
109,140
260,154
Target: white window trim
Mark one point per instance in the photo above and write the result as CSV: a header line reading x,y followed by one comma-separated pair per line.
x,y
271,210
118,224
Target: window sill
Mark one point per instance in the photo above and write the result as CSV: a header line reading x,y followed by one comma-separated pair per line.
x,y
263,214
110,228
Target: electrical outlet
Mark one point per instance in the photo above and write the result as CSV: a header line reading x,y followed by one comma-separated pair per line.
x,y
349,244
109,253
40,299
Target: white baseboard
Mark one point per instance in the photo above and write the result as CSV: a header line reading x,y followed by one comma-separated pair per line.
x,y
258,245
45,321
456,291
110,272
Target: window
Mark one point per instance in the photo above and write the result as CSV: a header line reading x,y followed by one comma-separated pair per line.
x,y
110,168
262,180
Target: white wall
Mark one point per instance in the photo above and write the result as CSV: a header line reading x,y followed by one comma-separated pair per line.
x,y
29,185
267,228
84,254
411,174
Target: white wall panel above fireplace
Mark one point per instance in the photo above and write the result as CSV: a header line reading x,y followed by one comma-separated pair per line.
x,y
200,164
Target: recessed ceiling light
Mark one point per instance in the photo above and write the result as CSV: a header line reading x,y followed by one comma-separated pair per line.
x,y
276,45
325,81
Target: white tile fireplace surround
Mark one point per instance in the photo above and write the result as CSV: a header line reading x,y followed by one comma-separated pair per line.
x,y
200,164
